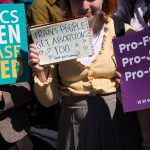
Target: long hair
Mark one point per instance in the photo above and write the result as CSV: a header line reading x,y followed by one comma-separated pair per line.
x,y
109,8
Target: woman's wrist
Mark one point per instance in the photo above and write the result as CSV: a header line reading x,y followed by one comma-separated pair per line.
x,y
42,75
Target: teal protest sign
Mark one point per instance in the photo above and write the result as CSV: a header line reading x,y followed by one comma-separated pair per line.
x,y
13,44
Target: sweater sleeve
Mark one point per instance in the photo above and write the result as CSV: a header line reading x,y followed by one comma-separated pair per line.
x,y
48,92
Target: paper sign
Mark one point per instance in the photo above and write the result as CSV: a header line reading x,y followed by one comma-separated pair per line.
x,y
13,44
133,60
62,41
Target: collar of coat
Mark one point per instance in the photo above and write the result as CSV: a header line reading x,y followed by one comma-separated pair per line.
x,y
52,2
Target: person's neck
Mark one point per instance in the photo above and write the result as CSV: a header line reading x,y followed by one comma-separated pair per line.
x,y
95,27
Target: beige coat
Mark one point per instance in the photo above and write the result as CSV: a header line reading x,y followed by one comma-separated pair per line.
x,y
14,123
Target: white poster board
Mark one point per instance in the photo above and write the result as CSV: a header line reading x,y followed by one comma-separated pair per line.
x,y
62,41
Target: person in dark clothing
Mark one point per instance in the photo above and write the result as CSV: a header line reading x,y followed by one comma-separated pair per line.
x,y
137,14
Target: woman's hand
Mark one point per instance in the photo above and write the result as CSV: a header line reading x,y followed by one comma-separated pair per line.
x,y
33,61
33,58
118,76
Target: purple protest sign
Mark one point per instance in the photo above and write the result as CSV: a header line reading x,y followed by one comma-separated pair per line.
x,y
133,60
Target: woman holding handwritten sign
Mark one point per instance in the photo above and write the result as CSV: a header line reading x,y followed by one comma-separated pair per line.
x,y
91,115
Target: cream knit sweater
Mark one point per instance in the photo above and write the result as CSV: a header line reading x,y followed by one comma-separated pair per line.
x,y
76,79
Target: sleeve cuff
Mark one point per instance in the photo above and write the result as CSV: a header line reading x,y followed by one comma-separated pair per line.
x,y
42,84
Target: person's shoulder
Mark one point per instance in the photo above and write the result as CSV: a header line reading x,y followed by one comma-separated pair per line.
x,y
127,27
43,4
122,28
40,3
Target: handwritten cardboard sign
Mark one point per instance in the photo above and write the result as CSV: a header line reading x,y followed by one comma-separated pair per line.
x,y
63,40
133,60
13,44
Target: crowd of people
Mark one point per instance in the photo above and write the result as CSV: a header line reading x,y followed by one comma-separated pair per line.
x,y
74,104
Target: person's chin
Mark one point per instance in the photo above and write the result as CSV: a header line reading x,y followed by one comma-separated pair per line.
x,y
90,19
88,15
